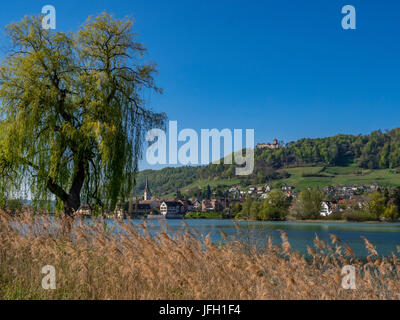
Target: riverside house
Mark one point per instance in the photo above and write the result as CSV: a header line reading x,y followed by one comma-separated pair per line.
x,y
213,205
196,204
326,208
138,209
187,204
172,209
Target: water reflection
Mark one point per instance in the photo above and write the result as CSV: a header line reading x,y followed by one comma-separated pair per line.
x,y
385,236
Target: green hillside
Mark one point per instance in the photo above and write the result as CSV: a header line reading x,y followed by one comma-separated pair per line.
x,y
338,160
318,177
299,177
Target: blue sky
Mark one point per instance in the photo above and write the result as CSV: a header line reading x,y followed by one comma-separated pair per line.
x,y
284,68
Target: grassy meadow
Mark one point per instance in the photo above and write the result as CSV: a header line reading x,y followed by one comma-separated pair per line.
x,y
95,262
318,177
314,177
202,183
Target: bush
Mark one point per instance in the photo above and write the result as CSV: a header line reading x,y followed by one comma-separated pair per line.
x,y
336,215
390,213
203,215
359,215
99,263
308,205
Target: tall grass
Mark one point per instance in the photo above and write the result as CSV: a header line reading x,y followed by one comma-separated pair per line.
x,y
94,262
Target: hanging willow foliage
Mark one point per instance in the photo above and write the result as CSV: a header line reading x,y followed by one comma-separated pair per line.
x,y
73,116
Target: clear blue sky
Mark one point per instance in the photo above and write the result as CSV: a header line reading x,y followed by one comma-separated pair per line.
x,y
285,68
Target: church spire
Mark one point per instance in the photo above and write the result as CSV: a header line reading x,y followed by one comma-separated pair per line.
x,y
147,193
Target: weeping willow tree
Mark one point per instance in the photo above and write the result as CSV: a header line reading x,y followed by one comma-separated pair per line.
x,y
73,114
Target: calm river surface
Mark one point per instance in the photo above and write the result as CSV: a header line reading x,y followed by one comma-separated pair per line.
x,y
384,236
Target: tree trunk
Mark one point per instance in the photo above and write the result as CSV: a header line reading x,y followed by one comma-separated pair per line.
x,y
72,205
72,200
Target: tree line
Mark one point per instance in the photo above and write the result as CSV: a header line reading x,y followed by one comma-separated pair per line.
x,y
379,205
377,150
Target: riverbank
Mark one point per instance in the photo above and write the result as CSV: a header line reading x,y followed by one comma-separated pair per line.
x,y
342,221
216,215
205,215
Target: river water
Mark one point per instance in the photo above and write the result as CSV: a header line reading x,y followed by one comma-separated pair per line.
x,y
384,236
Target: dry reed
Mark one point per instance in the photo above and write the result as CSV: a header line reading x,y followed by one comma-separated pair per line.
x,y
95,262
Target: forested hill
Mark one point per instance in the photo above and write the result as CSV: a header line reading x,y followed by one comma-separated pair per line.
x,y
373,151
165,181
377,150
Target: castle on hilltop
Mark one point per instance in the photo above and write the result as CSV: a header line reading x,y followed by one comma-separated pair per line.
x,y
274,145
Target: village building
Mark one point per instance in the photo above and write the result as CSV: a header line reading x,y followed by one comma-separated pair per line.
x,y
206,206
187,204
172,209
213,205
326,208
196,204
140,208
217,204
154,203
358,201
374,187
234,190
268,188
136,208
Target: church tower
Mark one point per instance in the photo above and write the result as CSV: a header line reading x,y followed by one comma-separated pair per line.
x,y
147,193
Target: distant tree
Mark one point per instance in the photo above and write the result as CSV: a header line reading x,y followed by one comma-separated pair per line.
x,y
255,210
308,204
179,195
376,205
391,213
275,207
219,193
396,198
386,194
235,208
72,114
208,192
246,209
384,158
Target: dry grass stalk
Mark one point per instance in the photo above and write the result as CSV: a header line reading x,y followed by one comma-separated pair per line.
x,y
131,263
